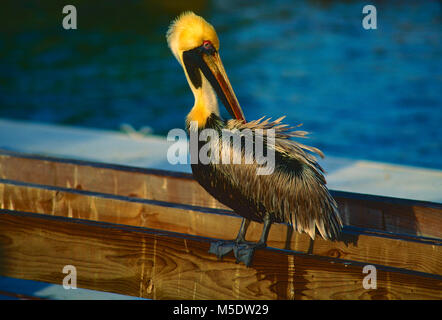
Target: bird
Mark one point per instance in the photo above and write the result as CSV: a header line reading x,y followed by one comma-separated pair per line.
x,y
293,192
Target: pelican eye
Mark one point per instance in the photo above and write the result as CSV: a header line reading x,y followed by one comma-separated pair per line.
x,y
207,44
208,47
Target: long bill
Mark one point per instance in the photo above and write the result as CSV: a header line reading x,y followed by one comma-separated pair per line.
x,y
214,71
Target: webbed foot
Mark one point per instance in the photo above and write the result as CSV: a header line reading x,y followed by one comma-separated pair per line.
x,y
245,251
242,249
221,248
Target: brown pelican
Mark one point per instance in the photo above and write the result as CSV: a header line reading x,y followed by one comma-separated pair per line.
x,y
294,193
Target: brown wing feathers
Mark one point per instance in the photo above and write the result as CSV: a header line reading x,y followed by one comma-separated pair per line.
x,y
298,197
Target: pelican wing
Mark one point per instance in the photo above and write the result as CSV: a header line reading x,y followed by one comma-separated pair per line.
x,y
298,193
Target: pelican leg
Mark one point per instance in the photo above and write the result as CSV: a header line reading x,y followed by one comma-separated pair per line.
x,y
222,248
244,251
241,237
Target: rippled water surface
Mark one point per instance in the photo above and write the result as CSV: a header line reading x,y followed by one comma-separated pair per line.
x,y
373,95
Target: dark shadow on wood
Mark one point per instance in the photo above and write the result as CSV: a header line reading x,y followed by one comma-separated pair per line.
x,y
349,238
288,238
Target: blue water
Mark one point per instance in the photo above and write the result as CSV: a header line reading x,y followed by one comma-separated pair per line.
x,y
365,94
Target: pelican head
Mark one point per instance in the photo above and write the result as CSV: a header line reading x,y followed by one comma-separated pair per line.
x,y
195,45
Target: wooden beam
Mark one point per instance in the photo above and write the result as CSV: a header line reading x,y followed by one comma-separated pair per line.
x,y
413,253
105,178
418,218
161,265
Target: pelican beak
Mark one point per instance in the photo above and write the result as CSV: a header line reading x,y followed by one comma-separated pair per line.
x,y
206,59
214,71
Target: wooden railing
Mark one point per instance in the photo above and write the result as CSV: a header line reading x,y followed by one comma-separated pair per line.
x,y
147,233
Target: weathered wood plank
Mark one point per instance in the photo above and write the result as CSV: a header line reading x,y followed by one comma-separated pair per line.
x,y
411,253
104,178
382,213
161,265
391,214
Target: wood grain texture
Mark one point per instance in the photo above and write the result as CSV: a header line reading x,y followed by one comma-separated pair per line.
x,y
104,178
161,265
413,253
418,218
